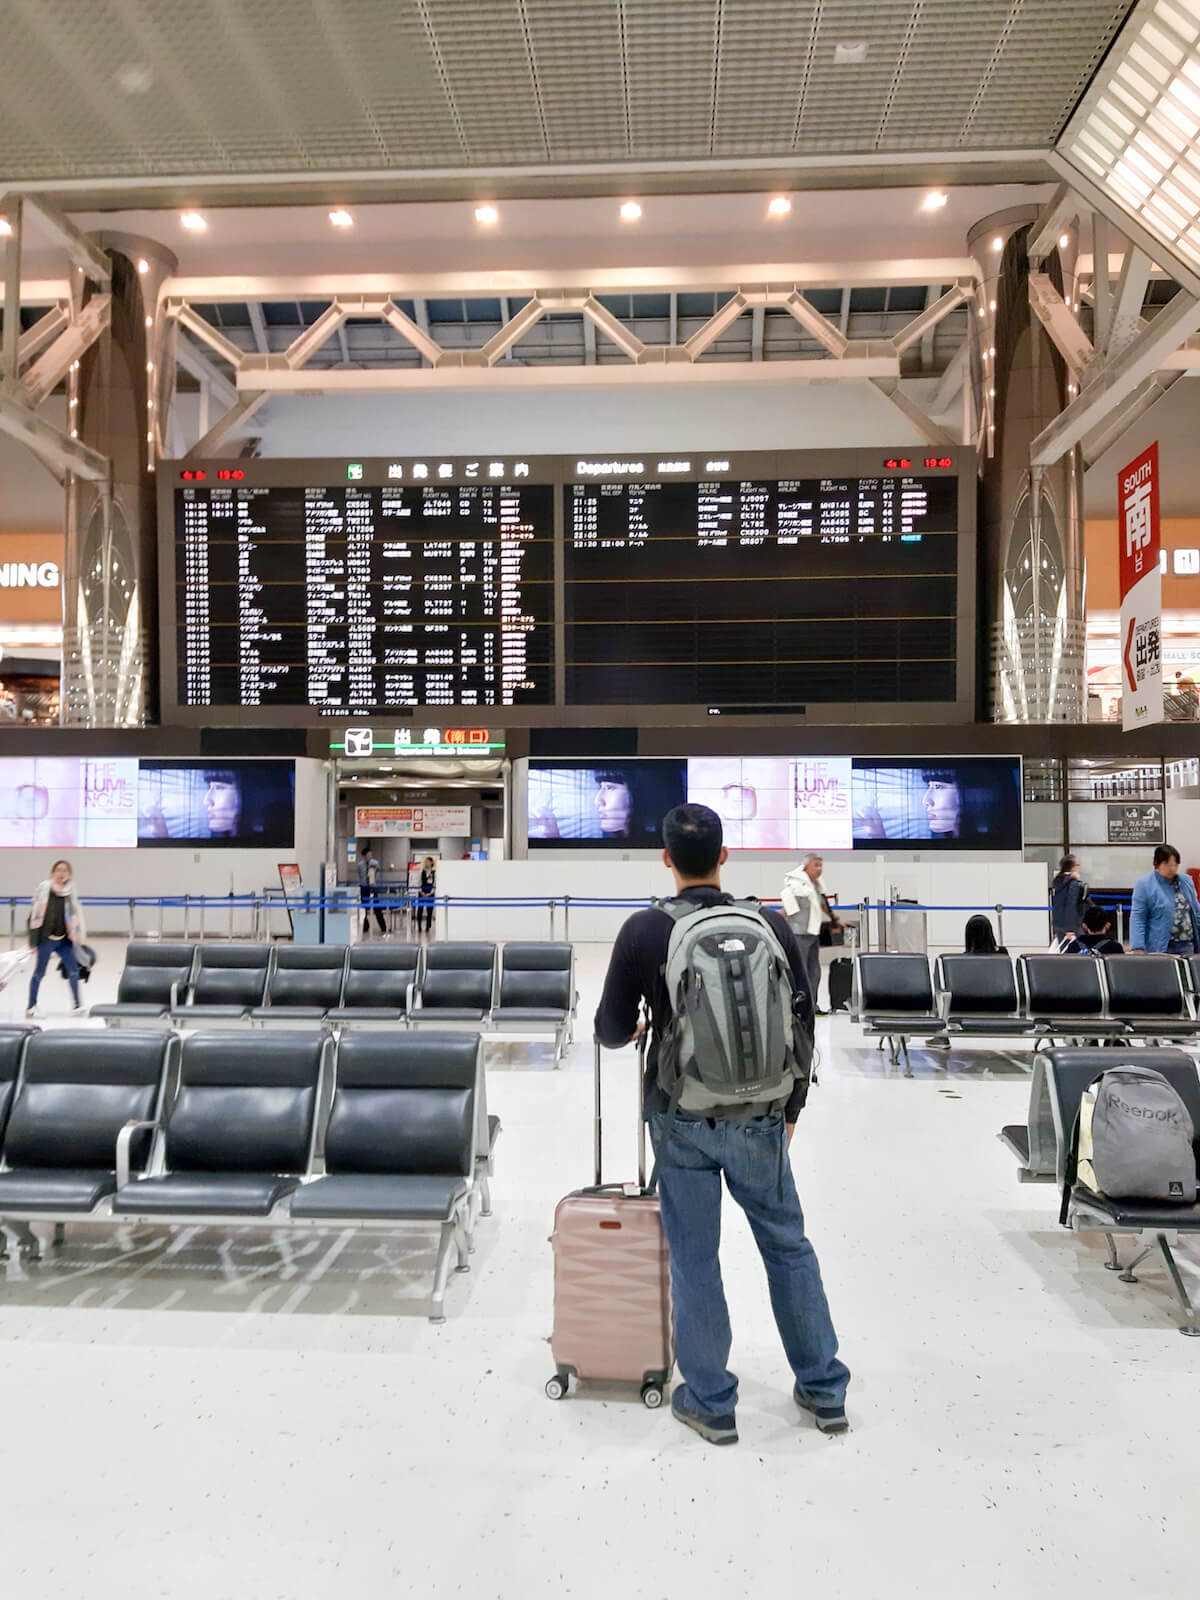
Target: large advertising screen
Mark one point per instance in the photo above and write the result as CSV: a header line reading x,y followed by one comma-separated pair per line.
x,y
607,804
776,803
957,803
243,803
67,803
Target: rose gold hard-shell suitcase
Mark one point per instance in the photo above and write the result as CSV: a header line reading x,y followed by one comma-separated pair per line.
x,y
612,1295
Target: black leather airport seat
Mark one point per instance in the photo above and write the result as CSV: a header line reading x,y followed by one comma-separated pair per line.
x,y
12,1052
241,1131
1064,996
401,1140
156,975
1069,1074
980,995
305,983
228,981
457,985
895,1000
77,1090
537,991
1147,994
378,977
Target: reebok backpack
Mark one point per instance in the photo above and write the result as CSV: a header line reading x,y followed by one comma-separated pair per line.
x,y
733,1044
1135,1138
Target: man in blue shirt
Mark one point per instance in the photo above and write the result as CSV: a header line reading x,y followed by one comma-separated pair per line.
x,y
1166,912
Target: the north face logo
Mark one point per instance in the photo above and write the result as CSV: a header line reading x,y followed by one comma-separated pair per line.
x,y
730,946
1175,1189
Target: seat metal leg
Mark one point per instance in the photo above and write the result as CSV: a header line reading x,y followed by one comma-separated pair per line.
x,y
442,1272
485,1197
60,1234
908,1071
27,1240
1127,1276
462,1242
1113,1264
3,1245
1189,1310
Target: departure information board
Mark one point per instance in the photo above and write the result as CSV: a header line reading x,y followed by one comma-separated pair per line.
x,y
745,591
364,597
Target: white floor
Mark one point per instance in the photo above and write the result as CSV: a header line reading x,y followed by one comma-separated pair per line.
x,y
236,1418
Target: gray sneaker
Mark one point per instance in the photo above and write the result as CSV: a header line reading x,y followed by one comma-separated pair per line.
x,y
829,1419
717,1430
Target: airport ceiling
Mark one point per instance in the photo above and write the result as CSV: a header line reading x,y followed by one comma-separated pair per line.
x,y
160,102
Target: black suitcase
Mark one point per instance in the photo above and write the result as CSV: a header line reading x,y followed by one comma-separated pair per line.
x,y
841,984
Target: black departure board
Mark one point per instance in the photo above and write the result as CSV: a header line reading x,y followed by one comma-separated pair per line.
x,y
364,596
734,591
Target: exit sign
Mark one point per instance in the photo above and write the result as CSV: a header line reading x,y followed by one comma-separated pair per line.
x,y
359,743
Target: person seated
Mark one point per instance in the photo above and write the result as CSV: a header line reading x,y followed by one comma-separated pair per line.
x,y
979,938
1096,938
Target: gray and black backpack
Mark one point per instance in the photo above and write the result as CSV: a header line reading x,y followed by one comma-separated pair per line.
x,y
734,1045
1133,1140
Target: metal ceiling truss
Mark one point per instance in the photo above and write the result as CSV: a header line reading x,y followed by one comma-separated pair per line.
x,y
33,363
260,373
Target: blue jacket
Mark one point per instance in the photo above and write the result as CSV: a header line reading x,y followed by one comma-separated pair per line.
x,y
1154,911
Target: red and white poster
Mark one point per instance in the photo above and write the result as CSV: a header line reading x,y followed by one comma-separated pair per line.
x,y
1141,591
398,822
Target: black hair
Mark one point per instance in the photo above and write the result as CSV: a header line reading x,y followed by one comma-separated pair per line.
x,y
1095,917
692,836
221,775
1066,867
1165,852
979,937
651,793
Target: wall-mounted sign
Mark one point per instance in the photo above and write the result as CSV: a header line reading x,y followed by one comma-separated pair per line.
x,y
31,577
359,743
1141,824
401,822
1139,543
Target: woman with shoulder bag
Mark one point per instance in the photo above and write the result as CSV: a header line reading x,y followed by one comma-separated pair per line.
x,y
1067,896
55,928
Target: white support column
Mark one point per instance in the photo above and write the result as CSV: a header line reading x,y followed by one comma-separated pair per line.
x,y
1101,283
215,436
1072,344
929,430
10,351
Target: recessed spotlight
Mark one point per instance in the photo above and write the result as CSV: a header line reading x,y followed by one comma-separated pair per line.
x,y
341,219
193,221
934,200
5,227
143,265
630,211
779,206
991,305
850,53
1064,240
997,244
149,322
487,215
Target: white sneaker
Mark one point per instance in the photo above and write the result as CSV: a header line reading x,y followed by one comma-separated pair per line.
x,y
33,1011
79,1011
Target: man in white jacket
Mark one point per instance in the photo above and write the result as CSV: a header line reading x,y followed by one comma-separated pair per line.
x,y
807,908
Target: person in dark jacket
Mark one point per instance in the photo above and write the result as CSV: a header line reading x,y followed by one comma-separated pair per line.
x,y
1096,938
1067,895
747,1151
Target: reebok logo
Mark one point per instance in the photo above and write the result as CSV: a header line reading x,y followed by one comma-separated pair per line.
x,y
1166,1115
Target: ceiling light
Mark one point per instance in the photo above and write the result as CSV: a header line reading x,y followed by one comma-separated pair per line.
x,y
779,206
630,211
991,305
341,219
1064,240
5,226
193,221
149,322
934,200
487,215
851,54
143,265
997,244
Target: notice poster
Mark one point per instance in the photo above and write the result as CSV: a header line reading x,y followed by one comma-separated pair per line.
x,y
401,822
1141,591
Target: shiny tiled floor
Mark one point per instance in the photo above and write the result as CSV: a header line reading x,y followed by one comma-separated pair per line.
x,y
191,1415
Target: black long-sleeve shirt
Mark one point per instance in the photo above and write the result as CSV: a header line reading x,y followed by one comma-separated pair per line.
x,y
635,973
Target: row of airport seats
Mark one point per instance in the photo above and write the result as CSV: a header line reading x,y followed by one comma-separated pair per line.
x,y
366,1130
519,990
1045,997
1043,1145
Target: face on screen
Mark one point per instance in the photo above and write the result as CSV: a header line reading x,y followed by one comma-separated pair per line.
x,y
223,805
245,802
969,804
603,804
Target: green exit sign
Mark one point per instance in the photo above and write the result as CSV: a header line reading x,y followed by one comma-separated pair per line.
x,y
354,471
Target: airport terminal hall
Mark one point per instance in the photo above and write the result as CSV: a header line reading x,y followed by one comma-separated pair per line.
x,y
599,799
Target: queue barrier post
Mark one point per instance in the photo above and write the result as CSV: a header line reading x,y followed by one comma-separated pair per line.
x,y
132,905
566,899
187,916
12,922
999,924
230,933
550,908
445,916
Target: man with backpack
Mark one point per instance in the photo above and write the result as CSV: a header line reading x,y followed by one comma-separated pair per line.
x,y
727,1074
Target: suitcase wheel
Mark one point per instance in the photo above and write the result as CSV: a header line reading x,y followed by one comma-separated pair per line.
x,y
556,1388
652,1396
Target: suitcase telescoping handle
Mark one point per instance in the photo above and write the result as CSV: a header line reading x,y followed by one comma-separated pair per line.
x,y
598,1120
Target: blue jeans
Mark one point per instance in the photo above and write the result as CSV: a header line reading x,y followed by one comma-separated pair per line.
x,y
1181,947
45,951
751,1154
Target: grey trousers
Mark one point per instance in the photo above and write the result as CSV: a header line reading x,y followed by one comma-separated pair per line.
x,y
810,949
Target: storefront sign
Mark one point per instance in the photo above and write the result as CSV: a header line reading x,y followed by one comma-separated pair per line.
x,y
359,743
1141,824
30,578
1141,591
400,822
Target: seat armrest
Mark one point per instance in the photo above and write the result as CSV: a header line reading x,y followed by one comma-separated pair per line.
x,y
124,1140
410,996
